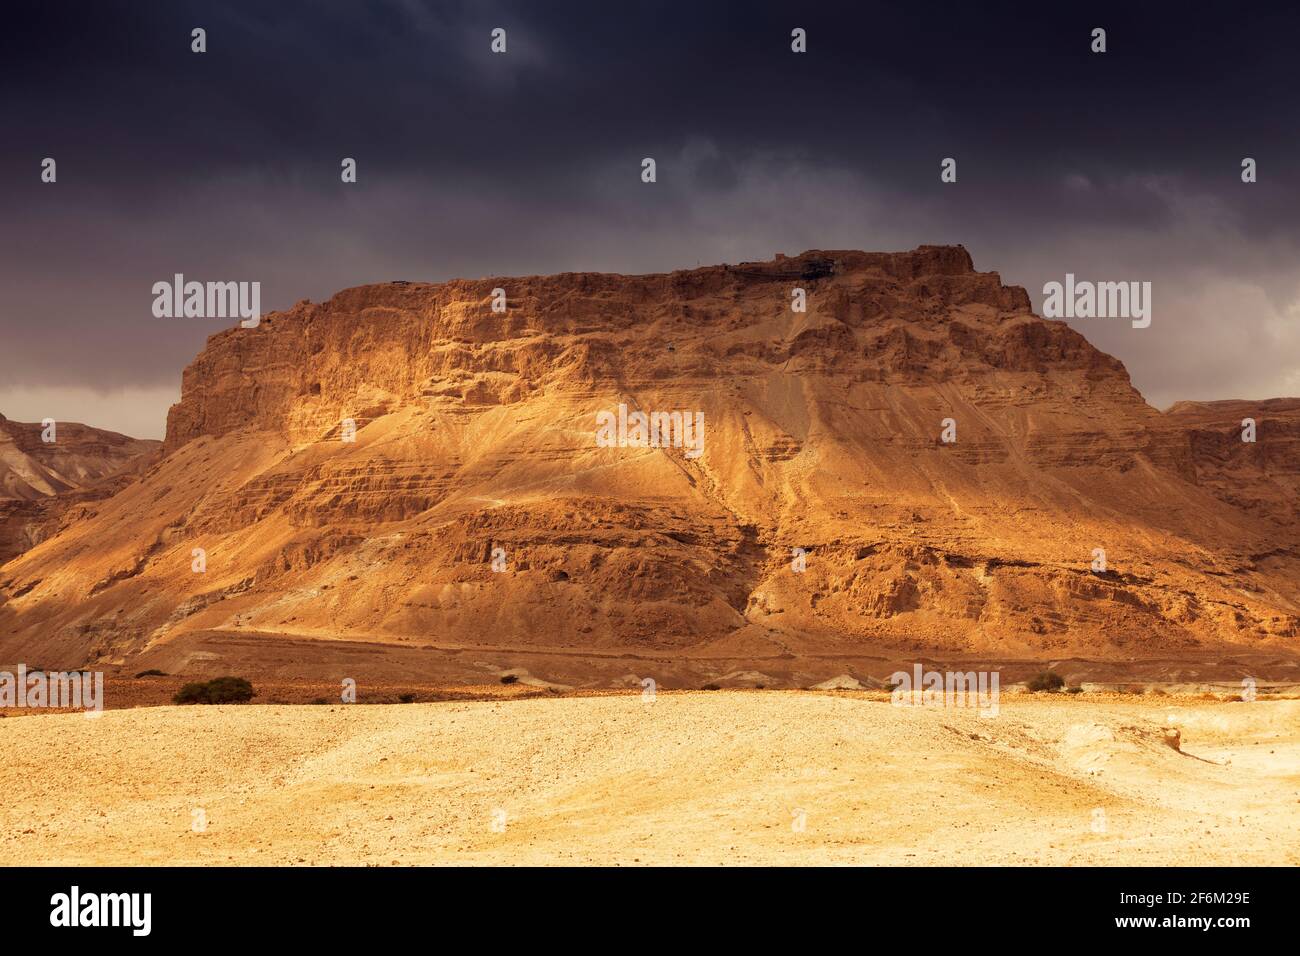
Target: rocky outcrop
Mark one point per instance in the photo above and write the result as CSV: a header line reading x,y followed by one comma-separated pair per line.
x,y
405,463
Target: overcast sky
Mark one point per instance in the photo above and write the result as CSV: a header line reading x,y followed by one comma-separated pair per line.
x,y
225,165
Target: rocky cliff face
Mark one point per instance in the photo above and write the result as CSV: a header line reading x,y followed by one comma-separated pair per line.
x,y
476,507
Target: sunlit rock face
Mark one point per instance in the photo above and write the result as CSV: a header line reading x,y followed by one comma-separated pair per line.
x,y
423,464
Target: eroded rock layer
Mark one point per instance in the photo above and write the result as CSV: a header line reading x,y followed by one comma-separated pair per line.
x,y
475,448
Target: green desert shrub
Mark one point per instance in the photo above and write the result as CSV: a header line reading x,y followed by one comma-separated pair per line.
x,y
219,690
1045,680
195,692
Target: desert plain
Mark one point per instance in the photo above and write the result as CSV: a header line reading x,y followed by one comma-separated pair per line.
x,y
692,777
408,489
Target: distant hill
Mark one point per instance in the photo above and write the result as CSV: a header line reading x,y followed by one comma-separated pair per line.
x,y
40,480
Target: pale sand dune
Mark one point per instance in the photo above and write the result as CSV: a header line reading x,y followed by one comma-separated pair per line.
x,y
687,778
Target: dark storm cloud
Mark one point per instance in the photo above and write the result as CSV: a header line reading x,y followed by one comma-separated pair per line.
x,y
225,164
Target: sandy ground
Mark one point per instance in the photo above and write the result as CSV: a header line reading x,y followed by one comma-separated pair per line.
x,y
770,777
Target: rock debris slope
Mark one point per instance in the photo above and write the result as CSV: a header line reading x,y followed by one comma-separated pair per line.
x,y
475,439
